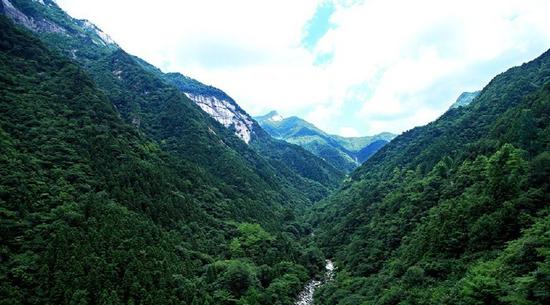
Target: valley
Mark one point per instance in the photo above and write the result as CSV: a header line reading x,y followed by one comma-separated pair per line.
x,y
124,184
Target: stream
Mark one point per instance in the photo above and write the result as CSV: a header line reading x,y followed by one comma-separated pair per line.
x,y
306,296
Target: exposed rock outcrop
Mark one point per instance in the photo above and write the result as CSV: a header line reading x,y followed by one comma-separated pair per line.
x,y
37,25
226,113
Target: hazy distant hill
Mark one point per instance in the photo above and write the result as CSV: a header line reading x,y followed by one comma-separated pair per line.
x,y
342,152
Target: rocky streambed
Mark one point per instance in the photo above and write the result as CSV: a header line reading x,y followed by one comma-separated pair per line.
x,y
306,296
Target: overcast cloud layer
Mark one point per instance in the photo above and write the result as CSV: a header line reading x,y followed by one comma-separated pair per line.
x,y
349,67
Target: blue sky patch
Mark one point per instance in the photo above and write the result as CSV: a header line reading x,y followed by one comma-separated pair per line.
x,y
318,25
323,59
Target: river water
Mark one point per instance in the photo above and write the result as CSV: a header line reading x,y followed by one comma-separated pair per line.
x,y
306,296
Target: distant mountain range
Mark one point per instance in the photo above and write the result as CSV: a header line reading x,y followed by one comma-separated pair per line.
x,y
345,153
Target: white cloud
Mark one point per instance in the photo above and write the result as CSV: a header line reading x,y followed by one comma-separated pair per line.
x,y
393,64
403,49
348,132
321,115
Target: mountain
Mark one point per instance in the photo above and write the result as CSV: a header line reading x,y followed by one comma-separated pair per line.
x,y
454,212
344,153
315,177
116,188
368,151
121,184
465,99
147,98
217,104
281,155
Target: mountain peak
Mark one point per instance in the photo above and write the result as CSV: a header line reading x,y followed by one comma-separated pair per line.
x,y
274,116
341,152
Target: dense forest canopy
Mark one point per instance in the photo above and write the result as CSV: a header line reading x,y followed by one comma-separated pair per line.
x,y
455,212
94,211
116,188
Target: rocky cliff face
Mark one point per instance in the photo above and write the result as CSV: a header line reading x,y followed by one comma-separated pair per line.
x,y
35,23
217,104
225,113
213,101
89,27
465,99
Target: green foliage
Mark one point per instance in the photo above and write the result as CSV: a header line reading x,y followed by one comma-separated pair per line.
x,y
455,212
117,189
96,211
519,275
243,183
308,174
342,153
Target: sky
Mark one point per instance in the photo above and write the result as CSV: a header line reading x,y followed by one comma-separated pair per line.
x,y
352,68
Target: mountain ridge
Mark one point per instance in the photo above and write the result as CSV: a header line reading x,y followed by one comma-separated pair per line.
x,y
449,207
121,184
136,88
115,188
345,153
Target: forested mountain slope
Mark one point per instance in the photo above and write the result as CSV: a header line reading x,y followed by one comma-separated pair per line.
x,y
455,212
117,188
284,157
145,97
344,153
99,208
